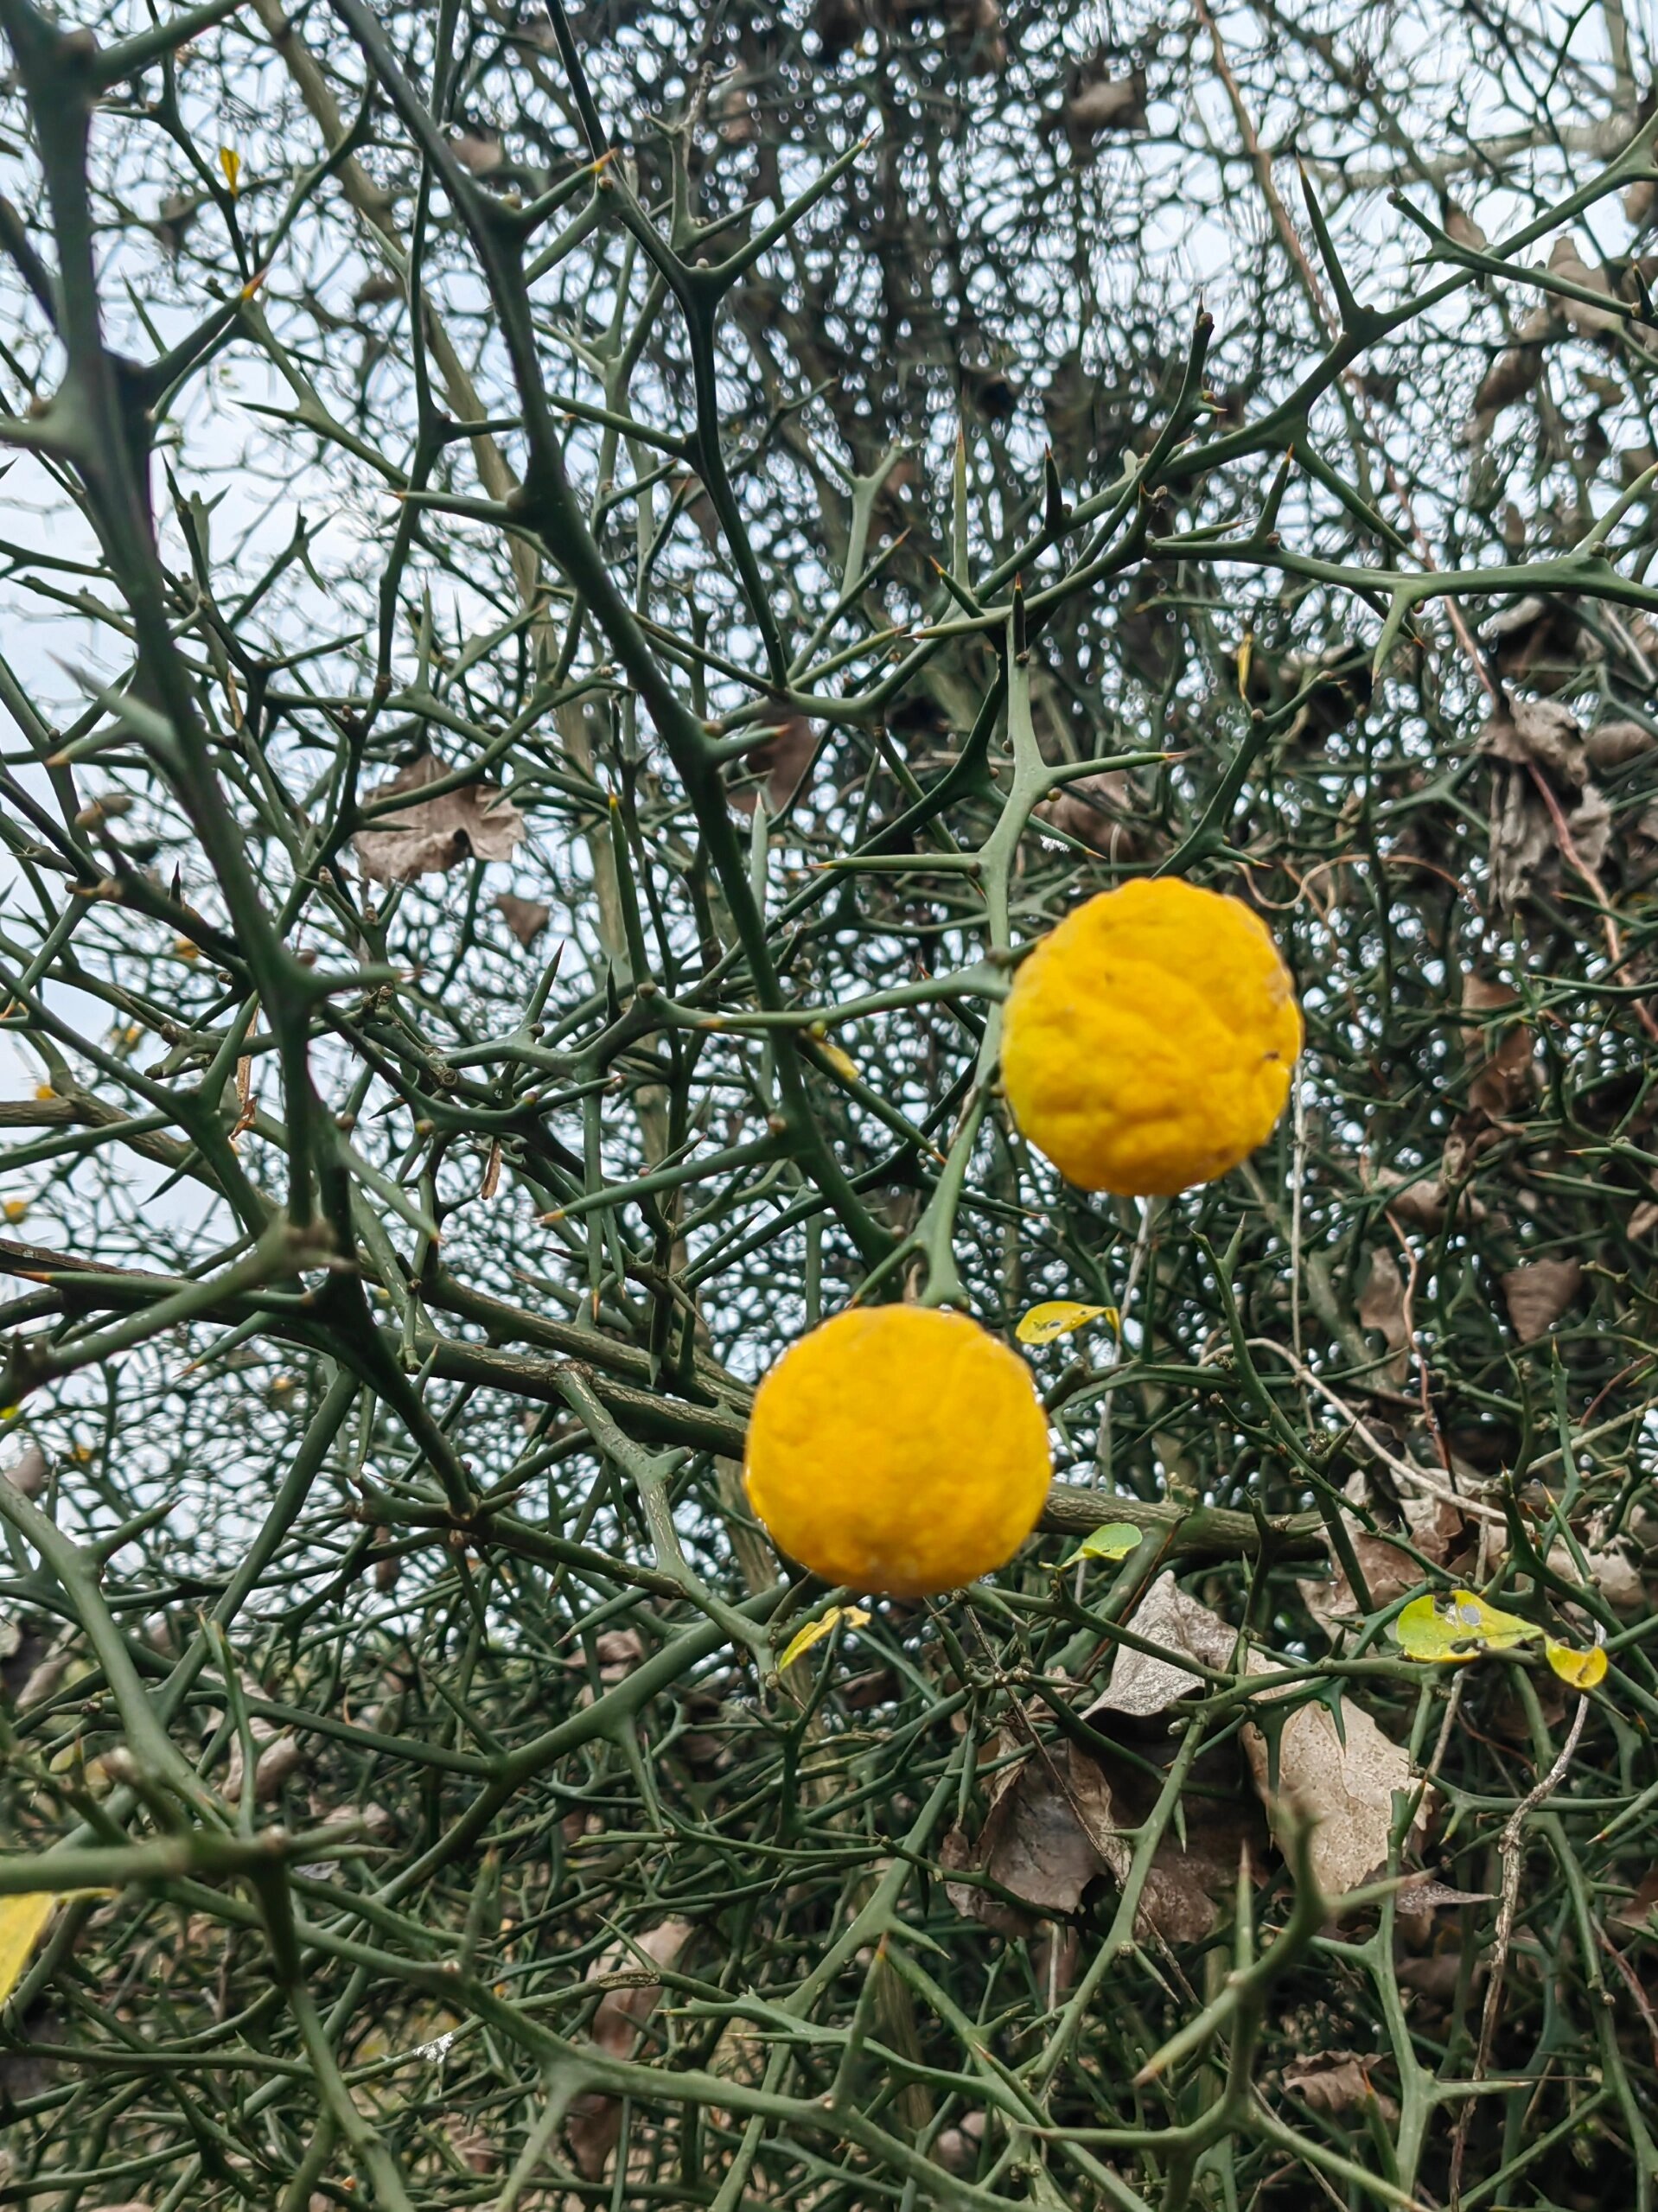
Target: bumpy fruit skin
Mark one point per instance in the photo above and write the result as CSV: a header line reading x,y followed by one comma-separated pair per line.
x,y
901,1449
1148,1041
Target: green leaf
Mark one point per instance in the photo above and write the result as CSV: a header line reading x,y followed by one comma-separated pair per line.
x,y
1449,1629
1114,1541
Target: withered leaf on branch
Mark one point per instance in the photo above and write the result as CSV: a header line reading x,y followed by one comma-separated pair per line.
x,y
1049,1816
430,836
1567,260
1096,103
1515,370
1611,1570
594,2121
1381,1306
479,151
1500,1054
1533,738
1424,1203
1336,2081
1344,1778
28,1471
1538,642
1538,1292
1055,1826
526,918
1098,811
783,759
1539,731
1610,744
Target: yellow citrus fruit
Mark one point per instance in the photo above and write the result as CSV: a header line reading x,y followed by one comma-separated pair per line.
x,y
901,1448
1148,1040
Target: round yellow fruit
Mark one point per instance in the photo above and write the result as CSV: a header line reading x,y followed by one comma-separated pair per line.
x,y
1148,1040
900,1448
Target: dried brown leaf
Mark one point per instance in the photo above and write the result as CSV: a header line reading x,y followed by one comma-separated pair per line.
x,y
1644,1219
1345,1780
1336,2081
1142,1686
1511,377
526,918
1423,1203
1590,828
1193,1876
1346,1786
1610,744
28,1472
1540,730
1097,811
594,2121
280,1757
1565,259
430,836
1539,737
1538,1292
475,2149
1432,1526
1637,1913
480,152
784,760
1096,105
1381,1306
1540,643
618,1652
1055,1826
1614,1574
1504,1075
1039,1837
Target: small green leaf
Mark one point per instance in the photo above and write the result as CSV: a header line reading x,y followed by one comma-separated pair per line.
x,y
1114,1541
1058,1317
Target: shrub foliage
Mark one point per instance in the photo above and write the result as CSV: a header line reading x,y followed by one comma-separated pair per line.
x,y
578,587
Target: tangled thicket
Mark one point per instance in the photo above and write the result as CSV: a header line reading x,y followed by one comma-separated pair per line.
x,y
576,589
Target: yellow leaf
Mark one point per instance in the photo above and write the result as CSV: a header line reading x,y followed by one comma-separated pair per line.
x,y
22,1920
16,1209
1451,1629
231,162
842,1062
1058,1317
815,1631
1114,1541
1583,1669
